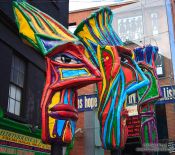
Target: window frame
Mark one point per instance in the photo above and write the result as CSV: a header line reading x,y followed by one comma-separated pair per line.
x,y
20,117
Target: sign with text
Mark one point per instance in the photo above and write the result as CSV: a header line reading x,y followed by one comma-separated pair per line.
x,y
8,138
132,110
168,95
133,124
132,99
87,102
18,151
133,121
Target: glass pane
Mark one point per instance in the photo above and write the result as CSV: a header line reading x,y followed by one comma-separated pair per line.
x,y
11,105
17,71
11,76
18,94
14,75
19,65
20,79
16,63
17,108
22,67
13,61
9,90
130,28
12,91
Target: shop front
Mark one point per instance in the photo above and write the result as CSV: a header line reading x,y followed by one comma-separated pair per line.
x,y
20,139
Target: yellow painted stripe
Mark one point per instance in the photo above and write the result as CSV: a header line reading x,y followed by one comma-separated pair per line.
x,y
85,34
94,26
101,70
24,27
55,100
100,22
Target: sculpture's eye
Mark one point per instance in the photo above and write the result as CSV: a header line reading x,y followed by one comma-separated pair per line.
x,y
143,69
123,59
66,59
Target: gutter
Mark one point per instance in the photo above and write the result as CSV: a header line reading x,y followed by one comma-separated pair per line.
x,y
171,34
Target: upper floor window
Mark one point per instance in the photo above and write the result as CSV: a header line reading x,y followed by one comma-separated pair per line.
x,y
72,27
16,85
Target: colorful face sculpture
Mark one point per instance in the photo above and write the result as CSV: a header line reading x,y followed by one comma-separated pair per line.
x,y
148,95
67,70
121,75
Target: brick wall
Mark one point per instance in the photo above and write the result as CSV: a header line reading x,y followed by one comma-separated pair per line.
x,y
79,145
77,17
170,108
78,148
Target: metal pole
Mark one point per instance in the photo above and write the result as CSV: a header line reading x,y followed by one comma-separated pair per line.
x,y
56,149
116,152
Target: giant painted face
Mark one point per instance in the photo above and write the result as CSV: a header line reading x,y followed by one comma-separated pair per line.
x,y
121,75
67,70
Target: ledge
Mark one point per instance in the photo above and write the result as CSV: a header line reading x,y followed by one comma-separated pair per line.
x,y
21,128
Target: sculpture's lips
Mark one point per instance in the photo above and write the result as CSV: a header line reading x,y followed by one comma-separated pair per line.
x,y
64,111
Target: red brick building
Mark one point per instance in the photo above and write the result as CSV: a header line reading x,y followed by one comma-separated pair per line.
x,y
154,13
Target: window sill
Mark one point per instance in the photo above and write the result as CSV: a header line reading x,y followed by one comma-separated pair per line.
x,y
16,124
15,117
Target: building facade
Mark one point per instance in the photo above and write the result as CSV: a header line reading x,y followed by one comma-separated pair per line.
x,y
23,75
21,83
138,24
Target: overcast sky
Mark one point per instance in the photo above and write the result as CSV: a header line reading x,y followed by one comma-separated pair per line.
x,y
83,4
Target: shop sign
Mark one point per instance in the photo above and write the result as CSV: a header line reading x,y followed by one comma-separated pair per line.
x,y
8,138
168,95
87,102
133,121
132,99
133,124
132,110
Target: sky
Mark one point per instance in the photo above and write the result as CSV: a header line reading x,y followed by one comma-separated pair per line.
x,y
84,4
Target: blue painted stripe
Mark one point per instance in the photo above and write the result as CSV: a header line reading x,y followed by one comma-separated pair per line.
x,y
139,85
107,98
73,73
66,97
60,125
120,106
71,96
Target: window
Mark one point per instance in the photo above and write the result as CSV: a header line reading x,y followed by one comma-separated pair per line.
x,y
72,27
130,28
160,65
16,85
